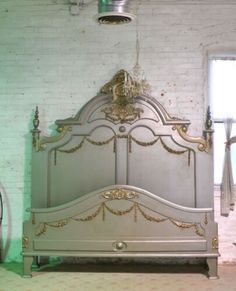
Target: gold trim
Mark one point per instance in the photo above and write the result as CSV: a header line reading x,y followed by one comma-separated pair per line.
x,y
79,146
122,114
185,225
51,139
25,242
135,207
35,131
149,217
206,219
120,194
170,150
33,218
150,143
215,243
41,229
92,216
59,224
143,143
74,149
124,88
203,145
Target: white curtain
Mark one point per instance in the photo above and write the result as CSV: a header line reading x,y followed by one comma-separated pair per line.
x,y
227,185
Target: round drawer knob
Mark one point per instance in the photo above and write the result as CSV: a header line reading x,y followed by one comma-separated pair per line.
x,y
119,246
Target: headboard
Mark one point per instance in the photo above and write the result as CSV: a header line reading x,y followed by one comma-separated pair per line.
x,y
122,136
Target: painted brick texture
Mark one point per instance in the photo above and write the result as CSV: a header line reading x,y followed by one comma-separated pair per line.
x,y
58,61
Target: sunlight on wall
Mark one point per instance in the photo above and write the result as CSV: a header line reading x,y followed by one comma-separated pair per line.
x,y
223,101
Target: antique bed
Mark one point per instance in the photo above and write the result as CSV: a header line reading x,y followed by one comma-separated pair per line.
x,y
122,179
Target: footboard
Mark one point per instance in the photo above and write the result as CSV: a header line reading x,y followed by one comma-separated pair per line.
x,y
121,221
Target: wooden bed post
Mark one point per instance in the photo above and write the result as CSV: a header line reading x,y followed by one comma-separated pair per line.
x,y
213,268
27,263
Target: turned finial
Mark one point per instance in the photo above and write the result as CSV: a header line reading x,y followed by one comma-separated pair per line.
x,y
35,131
208,123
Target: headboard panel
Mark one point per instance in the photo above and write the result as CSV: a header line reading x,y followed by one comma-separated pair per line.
x,y
121,137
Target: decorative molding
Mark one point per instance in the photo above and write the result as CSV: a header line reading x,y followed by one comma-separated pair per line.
x,y
122,114
215,243
130,139
165,146
135,208
25,242
203,144
123,89
77,147
120,194
206,219
51,139
35,131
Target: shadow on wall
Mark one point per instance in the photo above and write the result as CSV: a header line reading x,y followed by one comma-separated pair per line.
x,y
7,217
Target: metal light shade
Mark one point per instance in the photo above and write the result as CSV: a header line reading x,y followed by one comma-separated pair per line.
x,y
114,12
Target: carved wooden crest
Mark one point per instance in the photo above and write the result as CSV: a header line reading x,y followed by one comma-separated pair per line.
x,y
123,89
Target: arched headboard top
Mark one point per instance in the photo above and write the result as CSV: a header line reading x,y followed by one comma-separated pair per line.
x,y
123,100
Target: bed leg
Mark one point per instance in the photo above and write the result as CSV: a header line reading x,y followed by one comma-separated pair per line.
x,y
27,264
213,268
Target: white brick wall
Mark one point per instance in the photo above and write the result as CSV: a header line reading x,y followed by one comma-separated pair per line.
x,y
58,62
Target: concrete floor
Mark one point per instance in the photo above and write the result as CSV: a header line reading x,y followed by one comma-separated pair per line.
x,y
227,234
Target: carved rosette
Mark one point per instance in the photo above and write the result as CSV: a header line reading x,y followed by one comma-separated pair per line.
x,y
120,194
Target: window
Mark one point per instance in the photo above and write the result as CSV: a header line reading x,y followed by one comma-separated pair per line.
x,y
223,104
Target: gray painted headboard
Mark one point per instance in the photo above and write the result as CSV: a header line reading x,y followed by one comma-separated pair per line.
x,y
122,138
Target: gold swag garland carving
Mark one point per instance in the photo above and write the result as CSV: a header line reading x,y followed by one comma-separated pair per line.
x,y
165,146
103,207
130,139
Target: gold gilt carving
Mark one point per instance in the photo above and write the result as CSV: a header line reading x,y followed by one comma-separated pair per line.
x,y
122,113
40,143
150,143
33,219
120,194
122,85
25,242
35,131
185,225
149,217
51,139
203,144
215,243
123,89
135,208
143,143
206,219
77,147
